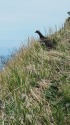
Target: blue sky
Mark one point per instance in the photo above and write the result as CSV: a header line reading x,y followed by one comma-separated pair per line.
x,y
20,18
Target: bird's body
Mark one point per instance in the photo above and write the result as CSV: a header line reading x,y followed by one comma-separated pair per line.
x,y
48,42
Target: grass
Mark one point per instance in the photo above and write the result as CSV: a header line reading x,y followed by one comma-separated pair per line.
x,y
35,83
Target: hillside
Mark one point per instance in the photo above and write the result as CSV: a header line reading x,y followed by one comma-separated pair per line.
x,y
35,83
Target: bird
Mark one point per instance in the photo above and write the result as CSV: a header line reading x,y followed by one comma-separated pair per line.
x,y
48,42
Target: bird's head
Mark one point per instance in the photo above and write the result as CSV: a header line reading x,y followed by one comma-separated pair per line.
x,y
37,31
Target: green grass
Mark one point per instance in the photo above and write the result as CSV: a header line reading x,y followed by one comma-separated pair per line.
x,y
35,83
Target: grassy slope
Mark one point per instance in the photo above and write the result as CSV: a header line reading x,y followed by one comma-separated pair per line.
x,y
35,84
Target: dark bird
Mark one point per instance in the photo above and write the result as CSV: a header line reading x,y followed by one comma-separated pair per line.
x,y
48,42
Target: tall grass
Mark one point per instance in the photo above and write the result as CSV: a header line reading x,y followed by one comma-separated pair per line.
x,y
35,84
